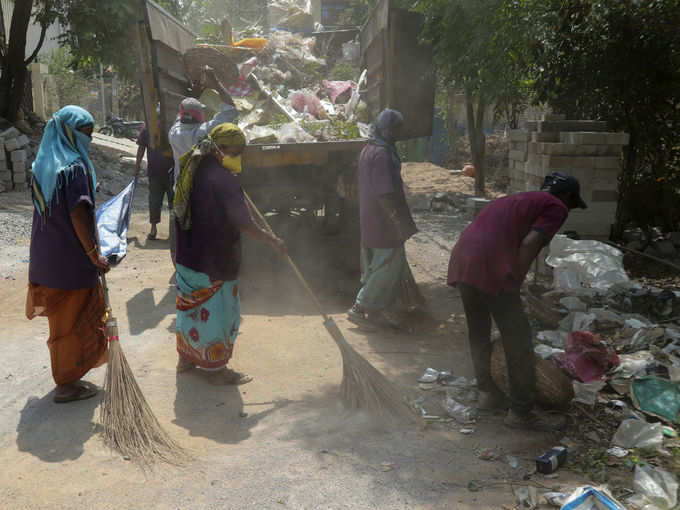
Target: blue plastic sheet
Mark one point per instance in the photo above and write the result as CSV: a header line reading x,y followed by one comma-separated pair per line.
x,y
113,220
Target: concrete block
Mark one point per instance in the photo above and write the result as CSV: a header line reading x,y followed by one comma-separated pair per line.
x,y
594,138
607,174
608,163
19,156
10,133
19,177
517,155
558,162
519,146
5,176
594,222
22,141
22,186
553,116
518,135
3,165
531,125
571,125
11,144
545,137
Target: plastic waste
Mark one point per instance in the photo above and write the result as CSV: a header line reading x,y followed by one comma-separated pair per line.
x,y
351,51
586,393
573,304
634,433
618,452
587,263
587,358
554,338
303,101
293,133
555,498
659,486
634,365
431,375
546,352
113,220
590,498
527,497
261,135
463,414
513,462
336,88
657,397
354,99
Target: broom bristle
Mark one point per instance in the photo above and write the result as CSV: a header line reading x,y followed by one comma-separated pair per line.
x,y
363,386
128,421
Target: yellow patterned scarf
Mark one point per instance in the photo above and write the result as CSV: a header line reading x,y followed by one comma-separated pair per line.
x,y
223,135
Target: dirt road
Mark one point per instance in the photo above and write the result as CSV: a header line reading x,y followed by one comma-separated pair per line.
x,y
282,441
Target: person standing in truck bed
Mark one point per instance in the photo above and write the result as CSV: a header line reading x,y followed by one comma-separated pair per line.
x,y
191,127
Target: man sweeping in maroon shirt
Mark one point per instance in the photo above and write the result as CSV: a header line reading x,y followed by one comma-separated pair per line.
x,y
488,265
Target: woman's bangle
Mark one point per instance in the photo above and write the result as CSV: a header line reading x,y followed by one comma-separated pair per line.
x,y
90,251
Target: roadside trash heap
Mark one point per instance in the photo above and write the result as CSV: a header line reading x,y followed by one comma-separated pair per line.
x,y
17,152
608,354
282,89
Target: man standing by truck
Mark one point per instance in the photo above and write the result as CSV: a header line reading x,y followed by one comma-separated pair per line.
x,y
191,127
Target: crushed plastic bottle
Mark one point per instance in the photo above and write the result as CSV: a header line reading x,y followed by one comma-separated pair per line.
x,y
459,412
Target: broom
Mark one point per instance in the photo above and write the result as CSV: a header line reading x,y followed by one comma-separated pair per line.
x,y
363,387
128,421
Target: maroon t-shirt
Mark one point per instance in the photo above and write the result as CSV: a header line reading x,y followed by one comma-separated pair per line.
x,y
58,260
380,175
486,255
218,209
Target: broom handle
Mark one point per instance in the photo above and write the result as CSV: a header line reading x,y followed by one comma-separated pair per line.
x,y
297,272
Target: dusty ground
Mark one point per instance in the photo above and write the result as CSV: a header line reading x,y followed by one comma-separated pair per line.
x,y
295,447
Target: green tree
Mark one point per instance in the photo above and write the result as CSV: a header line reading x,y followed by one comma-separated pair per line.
x,y
619,61
476,52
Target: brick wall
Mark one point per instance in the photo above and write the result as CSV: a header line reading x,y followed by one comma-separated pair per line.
x,y
582,148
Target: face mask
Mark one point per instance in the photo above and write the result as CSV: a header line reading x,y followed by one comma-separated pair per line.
x,y
83,141
231,163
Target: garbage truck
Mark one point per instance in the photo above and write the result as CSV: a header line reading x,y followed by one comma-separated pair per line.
x,y
317,178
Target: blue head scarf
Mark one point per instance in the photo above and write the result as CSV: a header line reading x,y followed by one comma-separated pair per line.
x,y
62,145
384,132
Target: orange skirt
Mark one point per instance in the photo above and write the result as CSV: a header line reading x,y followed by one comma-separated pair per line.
x,y
77,318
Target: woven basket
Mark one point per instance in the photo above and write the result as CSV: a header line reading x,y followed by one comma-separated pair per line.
x,y
196,59
553,387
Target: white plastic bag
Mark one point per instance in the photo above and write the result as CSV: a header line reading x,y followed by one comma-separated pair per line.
x,y
585,264
293,133
638,434
658,486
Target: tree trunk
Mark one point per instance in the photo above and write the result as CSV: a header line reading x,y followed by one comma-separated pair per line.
x,y
13,78
475,121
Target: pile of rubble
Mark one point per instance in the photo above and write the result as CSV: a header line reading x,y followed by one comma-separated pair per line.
x,y
17,152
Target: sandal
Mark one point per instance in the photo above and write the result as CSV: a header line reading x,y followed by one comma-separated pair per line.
x,y
79,391
228,377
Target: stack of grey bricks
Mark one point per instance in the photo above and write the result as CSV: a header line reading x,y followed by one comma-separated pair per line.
x,y
16,156
582,148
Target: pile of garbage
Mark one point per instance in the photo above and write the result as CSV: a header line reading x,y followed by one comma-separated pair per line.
x,y
282,92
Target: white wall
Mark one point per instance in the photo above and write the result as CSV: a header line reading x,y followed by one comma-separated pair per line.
x,y
33,34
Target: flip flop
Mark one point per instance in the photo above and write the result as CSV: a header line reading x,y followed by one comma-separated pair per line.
x,y
81,391
228,377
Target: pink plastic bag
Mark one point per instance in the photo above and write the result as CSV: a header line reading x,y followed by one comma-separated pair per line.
x,y
586,357
335,88
302,100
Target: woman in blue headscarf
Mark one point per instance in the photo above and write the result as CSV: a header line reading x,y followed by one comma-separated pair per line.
x,y
65,263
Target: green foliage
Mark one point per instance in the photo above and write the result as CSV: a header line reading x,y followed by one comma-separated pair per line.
x,y
344,71
617,61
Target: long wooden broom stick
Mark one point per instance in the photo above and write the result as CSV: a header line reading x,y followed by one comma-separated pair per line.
x,y
363,386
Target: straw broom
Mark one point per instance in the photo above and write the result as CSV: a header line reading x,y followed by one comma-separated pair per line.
x,y
363,387
128,421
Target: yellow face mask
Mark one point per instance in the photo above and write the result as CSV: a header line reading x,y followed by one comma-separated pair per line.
x,y
231,163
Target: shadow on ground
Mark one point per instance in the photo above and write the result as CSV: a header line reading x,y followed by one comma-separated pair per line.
x,y
55,432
